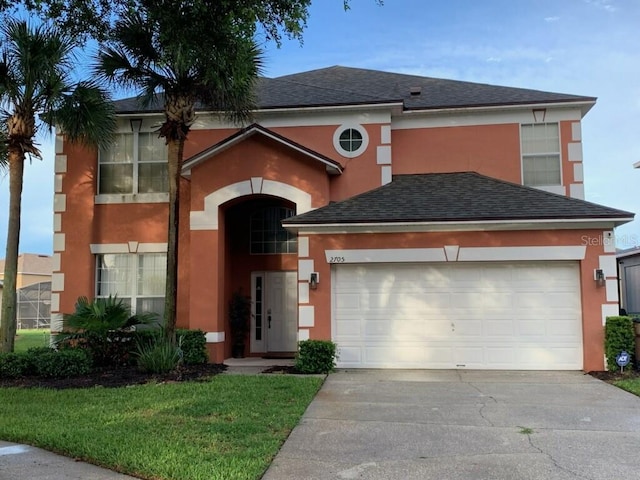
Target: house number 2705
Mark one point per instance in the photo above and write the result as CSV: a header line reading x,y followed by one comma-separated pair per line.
x,y
336,260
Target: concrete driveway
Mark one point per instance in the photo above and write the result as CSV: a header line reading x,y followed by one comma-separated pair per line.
x,y
425,424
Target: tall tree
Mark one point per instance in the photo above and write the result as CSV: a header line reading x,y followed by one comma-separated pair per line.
x,y
36,64
183,54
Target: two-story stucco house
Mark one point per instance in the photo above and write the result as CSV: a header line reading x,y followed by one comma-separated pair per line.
x,y
417,222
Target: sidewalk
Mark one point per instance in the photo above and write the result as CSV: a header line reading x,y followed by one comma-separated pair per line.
x,y
22,462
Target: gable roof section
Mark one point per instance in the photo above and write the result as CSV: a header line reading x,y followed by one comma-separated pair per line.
x,y
332,166
340,86
456,198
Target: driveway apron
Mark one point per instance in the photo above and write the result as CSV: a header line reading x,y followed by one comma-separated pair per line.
x,y
426,424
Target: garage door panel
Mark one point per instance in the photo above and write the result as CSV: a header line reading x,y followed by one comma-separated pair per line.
x,y
498,315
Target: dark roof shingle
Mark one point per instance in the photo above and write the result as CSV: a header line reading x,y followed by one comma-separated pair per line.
x,y
334,86
454,197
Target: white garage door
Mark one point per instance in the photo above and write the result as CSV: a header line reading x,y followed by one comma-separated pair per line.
x,y
524,316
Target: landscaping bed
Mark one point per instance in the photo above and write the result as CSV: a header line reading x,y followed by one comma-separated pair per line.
x,y
117,377
616,375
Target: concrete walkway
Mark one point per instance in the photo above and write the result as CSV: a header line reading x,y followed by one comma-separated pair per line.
x,y
21,462
448,425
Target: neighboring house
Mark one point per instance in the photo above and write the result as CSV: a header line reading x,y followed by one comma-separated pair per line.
x,y
33,290
629,272
428,223
32,268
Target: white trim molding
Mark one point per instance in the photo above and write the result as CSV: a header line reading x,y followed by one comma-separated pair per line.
x,y
303,334
207,219
385,255
106,248
489,254
464,254
115,198
480,226
214,337
60,164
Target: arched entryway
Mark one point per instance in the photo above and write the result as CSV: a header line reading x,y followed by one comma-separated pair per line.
x,y
261,262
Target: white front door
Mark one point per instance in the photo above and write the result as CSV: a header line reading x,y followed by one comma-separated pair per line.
x,y
274,324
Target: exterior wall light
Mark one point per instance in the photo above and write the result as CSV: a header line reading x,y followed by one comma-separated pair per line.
x,y
598,276
314,279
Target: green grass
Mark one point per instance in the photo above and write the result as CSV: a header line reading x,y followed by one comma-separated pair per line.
x,y
630,385
26,339
228,428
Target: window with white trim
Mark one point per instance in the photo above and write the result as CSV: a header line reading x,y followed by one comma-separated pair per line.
x,y
138,279
350,140
134,163
540,154
268,236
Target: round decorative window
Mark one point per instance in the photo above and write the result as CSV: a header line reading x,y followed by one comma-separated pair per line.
x,y
350,140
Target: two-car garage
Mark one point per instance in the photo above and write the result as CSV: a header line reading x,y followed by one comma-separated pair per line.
x,y
488,315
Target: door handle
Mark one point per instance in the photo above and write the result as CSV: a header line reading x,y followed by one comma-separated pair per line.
x,y
269,318
453,327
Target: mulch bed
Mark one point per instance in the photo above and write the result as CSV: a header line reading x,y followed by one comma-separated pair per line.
x,y
118,377
616,375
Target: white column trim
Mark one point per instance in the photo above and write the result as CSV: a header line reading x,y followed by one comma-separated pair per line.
x,y
214,337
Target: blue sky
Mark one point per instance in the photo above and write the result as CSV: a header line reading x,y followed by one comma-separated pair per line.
x,y
584,47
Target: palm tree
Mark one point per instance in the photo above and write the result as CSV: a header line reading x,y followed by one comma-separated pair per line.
x,y
182,60
36,64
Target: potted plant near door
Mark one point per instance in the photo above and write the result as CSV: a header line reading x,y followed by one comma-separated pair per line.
x,y
239,316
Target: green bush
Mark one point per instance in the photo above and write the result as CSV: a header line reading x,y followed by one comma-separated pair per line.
x,y
158,356
618,336
193,345
13,365
104,327
316,356
64,363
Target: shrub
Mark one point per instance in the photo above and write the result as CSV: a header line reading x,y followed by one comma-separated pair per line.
x,y
65,363
618,336
194,346
103,326
158,356
316,356
13,365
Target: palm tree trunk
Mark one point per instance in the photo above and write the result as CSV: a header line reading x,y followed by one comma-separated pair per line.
x,y
175,150
9,304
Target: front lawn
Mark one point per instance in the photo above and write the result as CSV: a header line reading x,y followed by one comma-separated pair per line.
x,y
629,384
229,427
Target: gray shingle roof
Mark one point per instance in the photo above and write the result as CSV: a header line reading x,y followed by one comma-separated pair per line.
x,y
338,85
454,197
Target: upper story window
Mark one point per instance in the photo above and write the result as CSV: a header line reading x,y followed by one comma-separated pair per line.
x,y
541,154
268,236
350,140
138,279
134,163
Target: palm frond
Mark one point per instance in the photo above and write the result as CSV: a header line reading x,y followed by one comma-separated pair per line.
x,y
86,115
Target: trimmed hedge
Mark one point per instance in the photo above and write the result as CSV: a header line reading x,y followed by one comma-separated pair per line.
x,y
316,356
46,363
618,336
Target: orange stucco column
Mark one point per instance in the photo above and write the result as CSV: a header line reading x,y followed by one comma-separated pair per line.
x,y
206,299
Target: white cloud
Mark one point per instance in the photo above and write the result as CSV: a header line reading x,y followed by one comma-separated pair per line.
x,y
551,19
607,5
